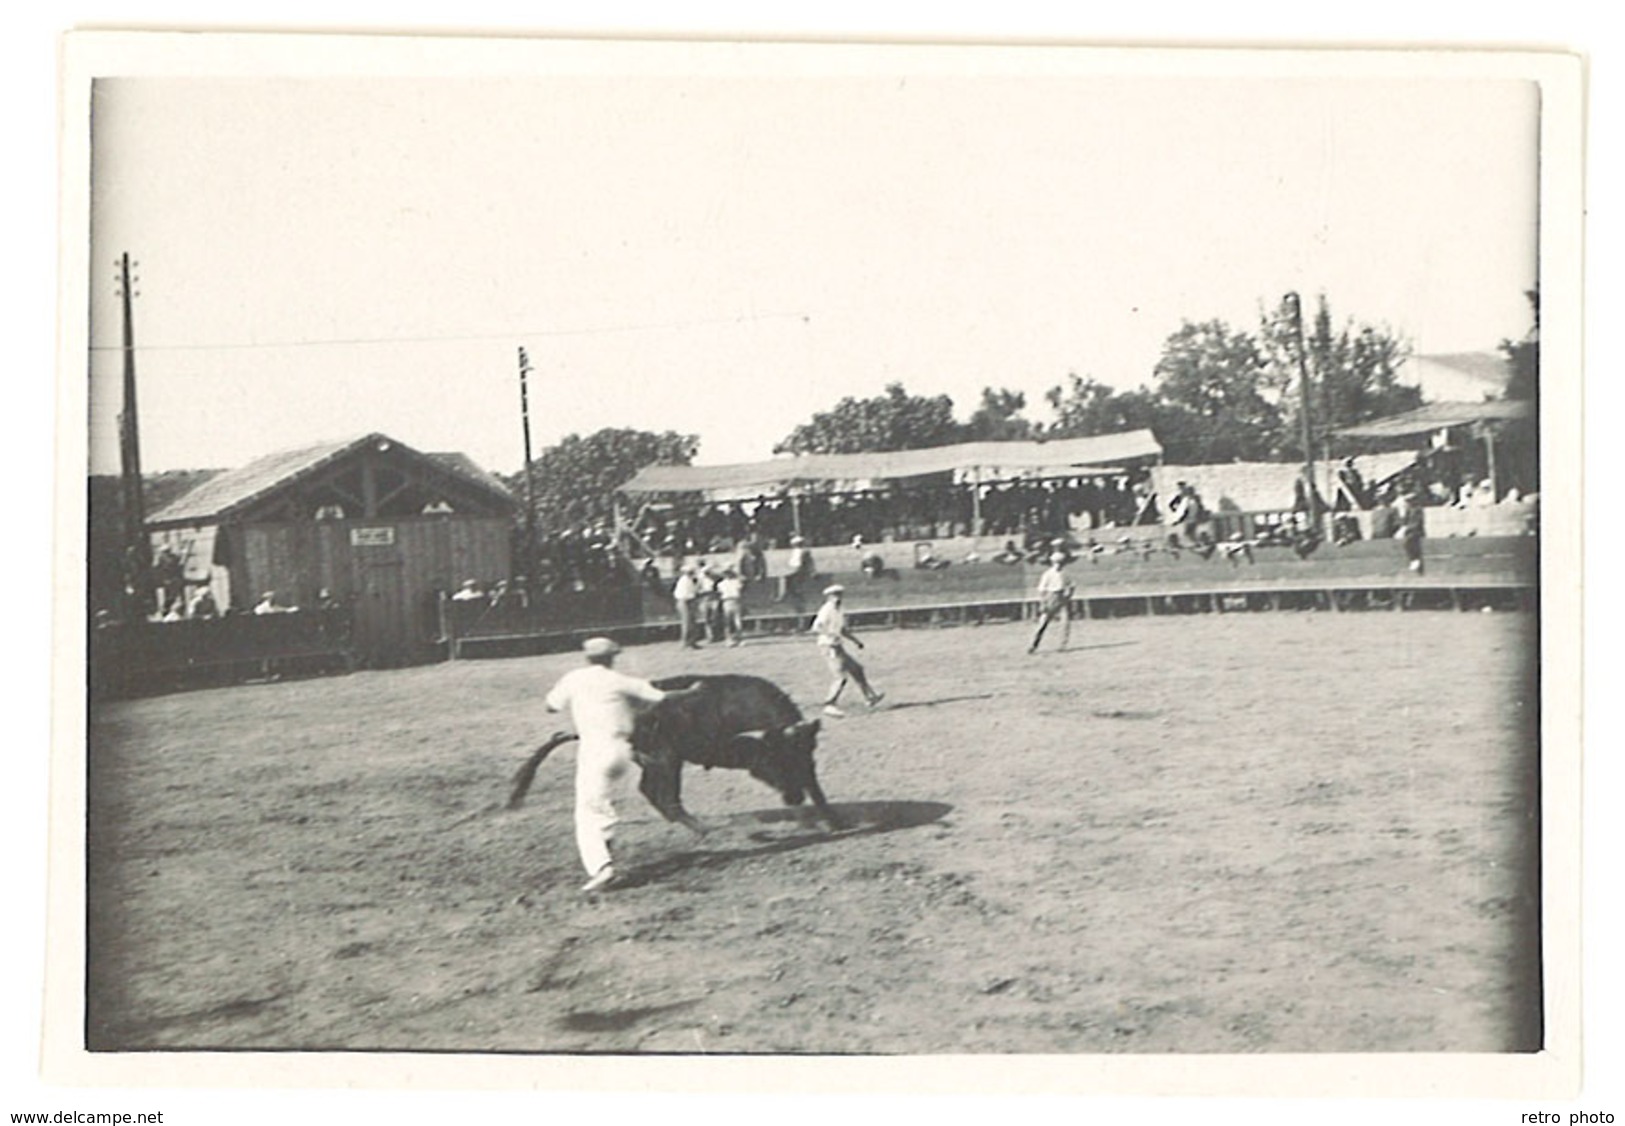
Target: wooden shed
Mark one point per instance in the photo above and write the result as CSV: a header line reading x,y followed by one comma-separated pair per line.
x,y
368,524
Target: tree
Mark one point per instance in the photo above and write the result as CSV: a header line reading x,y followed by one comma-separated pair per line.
x,y
1524,355
1353,372
576,480
1219,395
998,418
1085,407
895,420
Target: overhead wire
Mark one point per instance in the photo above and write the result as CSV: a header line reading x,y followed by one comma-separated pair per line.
x,y
450,338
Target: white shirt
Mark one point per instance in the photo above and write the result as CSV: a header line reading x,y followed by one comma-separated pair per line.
x,y
1052,581
602,702
686,588
829,624
732,590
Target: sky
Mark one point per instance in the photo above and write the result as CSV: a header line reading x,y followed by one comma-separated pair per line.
x,y
726,249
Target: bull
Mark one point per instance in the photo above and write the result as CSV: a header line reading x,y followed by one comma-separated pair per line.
x,y
734,722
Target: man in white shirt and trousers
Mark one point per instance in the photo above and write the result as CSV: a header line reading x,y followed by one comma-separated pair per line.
x,y
832,633
603,705
686,593
1054,601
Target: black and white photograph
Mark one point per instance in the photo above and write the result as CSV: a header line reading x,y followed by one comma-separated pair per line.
x,y
974,564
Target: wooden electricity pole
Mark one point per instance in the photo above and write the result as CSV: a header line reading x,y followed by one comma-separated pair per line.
x,y
137,548
1296,306
530,479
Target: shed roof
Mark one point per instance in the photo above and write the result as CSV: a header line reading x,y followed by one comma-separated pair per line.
x,y
235,489
466,466
1438,416
1105,449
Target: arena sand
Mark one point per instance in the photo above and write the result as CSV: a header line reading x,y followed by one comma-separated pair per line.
x,y
1290,832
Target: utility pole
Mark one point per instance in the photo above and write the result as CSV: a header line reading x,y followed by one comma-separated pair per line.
x,y
530,480
137,548
1296,305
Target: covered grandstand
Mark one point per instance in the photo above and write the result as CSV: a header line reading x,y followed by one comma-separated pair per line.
x,y
984,461
944,491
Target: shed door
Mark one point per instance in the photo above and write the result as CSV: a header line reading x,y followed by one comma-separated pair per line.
x,y
383,623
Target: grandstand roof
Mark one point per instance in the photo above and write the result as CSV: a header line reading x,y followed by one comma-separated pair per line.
x,y
1438,416
236,489
1105,449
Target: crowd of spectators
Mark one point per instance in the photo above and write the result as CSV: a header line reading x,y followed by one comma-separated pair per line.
x,y
1444,476
573,559
898,514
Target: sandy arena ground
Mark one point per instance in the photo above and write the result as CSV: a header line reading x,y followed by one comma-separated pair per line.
x,y
1236,833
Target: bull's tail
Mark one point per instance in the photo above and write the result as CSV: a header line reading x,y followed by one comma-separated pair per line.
x,y
527,773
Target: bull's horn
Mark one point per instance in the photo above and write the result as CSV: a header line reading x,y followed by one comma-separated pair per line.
x,y
758,735
799,726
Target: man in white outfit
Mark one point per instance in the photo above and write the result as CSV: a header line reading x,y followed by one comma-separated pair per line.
x,y
603,704
686,594
831,632
1055,592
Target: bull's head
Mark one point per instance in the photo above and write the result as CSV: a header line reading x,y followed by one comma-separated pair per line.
x,y
782,758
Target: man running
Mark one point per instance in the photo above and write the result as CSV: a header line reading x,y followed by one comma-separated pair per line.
x,y
832,634
1054,601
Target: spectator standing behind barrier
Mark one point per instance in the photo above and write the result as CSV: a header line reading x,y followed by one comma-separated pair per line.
x,y
731,589
169,575
1351,488
1349,494
685,593
1188,516
1384,523
832,634
710,603
1409,532
752,560
1054,601
801,572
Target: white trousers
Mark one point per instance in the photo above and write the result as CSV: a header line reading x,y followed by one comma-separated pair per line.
x,y
601,766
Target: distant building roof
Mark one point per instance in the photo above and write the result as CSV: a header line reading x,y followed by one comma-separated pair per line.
x,y
1459,376
236,489
1105,449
